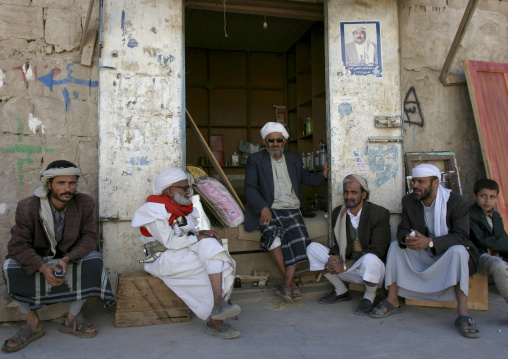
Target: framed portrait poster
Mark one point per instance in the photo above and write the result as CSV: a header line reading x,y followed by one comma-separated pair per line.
x,y
361,47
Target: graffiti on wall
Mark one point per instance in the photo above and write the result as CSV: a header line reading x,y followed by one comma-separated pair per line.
x,y
383,161
412,109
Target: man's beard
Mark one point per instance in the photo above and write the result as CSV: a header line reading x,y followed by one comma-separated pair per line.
x,y
425,193
351,203
58,197
277,154
181,200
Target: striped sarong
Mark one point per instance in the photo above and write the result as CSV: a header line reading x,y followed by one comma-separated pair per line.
x,y
288,225
83,280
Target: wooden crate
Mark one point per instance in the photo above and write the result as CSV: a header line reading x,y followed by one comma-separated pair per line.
x,y
478,298
143,299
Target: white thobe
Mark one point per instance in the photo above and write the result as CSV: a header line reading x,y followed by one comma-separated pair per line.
x,y
182,266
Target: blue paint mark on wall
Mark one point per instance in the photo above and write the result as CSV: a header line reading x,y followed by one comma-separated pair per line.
x,y
132,43
139,161
67,100
49,81
75,94
345,109
383,161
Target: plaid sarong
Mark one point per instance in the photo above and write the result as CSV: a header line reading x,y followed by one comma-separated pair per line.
x,y
288,225
83,280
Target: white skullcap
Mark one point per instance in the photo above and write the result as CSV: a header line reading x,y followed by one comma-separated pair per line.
x,y
426,170
46,175
167,178
358,179
272,127
361,28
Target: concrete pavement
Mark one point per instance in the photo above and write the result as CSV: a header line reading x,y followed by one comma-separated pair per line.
x,y
274,329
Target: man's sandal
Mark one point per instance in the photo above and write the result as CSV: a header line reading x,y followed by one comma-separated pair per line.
x,y
78,327
465,324
285,293
22,338
296,293
390,309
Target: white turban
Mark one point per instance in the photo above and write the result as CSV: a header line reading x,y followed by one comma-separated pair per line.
x,y
358,179
426,170
272,127
46,175
442,196
359,29
167,178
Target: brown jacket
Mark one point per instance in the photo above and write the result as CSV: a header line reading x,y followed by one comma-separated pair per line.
x,y
29,243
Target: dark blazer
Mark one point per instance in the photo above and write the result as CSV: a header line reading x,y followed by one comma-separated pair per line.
x,y
373,230
259,188
457,221
483,236
29,243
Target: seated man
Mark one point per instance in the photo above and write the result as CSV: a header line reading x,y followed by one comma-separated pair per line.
x,y
488,234
51,256
193,262
362,236
272,188
433,258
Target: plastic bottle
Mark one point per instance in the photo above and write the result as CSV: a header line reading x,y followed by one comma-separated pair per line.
x,y
304,158
238,282
322,155
317,160
310,161
235,159
308,126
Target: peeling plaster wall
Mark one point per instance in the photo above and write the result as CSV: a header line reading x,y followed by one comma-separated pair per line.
x,y
444,119
140,115
48,101
354,101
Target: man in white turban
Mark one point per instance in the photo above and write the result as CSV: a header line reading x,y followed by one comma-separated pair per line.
x,y
362,236
52,258
190,260
272,188
361,51
433,257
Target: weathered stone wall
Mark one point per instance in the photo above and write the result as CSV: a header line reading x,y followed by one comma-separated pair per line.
x,y
446,121
48,101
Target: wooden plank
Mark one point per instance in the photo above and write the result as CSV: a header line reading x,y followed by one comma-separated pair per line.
x,y
478,298
488,89
89,48
123,320
213,161
464,23
87,23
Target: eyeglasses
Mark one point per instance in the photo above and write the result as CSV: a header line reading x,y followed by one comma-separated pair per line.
x,y
272,140
185,188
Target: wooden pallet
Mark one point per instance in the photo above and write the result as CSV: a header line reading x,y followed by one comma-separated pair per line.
x,y
143,299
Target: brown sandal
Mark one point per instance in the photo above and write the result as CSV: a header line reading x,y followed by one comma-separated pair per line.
x,y
22,338
296,293
285,293
78,327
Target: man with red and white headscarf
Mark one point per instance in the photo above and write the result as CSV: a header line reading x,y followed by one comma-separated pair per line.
x,y
362,237
190,260
433,257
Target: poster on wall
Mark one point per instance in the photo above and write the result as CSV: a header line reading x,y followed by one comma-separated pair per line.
x,y
361,47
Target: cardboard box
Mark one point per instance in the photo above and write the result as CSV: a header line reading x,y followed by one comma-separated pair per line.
x,y
219,156
216,142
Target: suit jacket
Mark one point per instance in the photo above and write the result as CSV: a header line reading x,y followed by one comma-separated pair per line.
x,y
485,237
373,230
259,187
352,58
29,243
457,221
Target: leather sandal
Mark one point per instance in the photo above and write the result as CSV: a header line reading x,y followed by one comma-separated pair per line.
x,y
465,324
390,309
285,293
22,338
78,327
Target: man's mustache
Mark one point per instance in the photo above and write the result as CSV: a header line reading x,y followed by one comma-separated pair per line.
x,y
67,194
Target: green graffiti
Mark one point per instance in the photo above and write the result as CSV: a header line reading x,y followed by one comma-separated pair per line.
x,y
21,179
20,128
22,161
51,150
28,149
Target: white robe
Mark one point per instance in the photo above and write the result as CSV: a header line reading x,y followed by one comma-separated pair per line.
x,y
182,265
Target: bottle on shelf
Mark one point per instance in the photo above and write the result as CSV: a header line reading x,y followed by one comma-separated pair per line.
x,y
308,126
322,154
235,159
316,202
317,162
238,282
310,161
304,159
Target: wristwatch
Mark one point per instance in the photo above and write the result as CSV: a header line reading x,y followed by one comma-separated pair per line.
x,y
431,243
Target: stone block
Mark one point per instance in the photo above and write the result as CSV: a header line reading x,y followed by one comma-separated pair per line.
x,y
63,29
13,80
58,148
62,4
51,112
15,115
20,157
8,47
15,2
88,153
82,118
21,22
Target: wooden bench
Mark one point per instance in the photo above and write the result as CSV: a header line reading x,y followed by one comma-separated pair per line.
x,y
143,299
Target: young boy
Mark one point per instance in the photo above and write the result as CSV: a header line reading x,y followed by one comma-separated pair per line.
x,y
488,234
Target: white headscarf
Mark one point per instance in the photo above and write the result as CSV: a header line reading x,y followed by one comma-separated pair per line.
x,y
46,175
167,178
272,127
442,196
